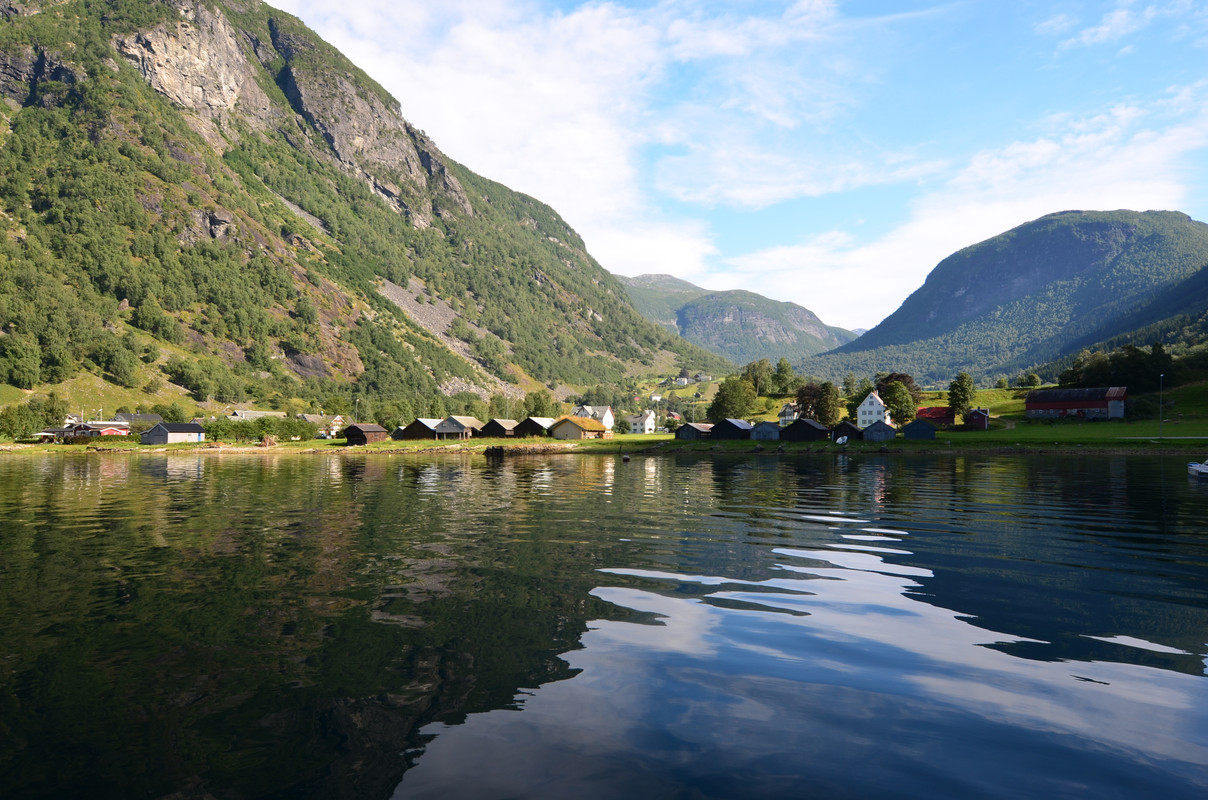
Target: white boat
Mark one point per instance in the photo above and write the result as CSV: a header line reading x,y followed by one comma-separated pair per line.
x,y
1199,470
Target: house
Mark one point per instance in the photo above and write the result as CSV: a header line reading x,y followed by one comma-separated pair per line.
x,y
602,413
1101,403
701,377
173,433
108,427
805,430
732,429
788,414
694,431
939,416
680,381
766,431
641,423
421,428
880,432
872,410
579,428
919,429
55,434
847,429
674,416
655,397
979,418
455,427
533,426
327,427
499,428
361,433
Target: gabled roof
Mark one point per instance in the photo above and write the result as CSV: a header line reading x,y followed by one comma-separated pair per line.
x,y
935,413
703,427
366,427
180,427
809,423
426,422
765,423
544,422
1076,395
506,424
741,424
456,423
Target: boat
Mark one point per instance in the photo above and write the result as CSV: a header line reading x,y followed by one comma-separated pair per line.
x,y
1197,470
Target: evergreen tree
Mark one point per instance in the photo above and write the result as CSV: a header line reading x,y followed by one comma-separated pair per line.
x,y
829,406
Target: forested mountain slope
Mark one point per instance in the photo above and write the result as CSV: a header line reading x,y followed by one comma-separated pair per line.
x,y
1030,295
206,192
742,326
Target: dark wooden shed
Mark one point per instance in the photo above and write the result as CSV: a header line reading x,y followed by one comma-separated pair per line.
x,y
422,428
919,429
732,429
880,432
694,431
805,430
365,433
766,431
979,418
533,426
499,428
848,429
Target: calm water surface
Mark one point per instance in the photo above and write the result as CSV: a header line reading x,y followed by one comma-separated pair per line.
x,y
752,626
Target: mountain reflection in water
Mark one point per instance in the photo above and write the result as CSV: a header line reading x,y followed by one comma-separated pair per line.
x,y
747,626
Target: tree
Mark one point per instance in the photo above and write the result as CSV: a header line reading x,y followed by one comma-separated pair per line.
x,y
734,399
540,403
884,380
1002,384
759,375
898,402
785,380
961,394
829,406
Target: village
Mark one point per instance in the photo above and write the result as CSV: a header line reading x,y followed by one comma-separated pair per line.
x,y
873,423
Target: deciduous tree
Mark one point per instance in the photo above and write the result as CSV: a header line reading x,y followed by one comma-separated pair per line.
x,y
961,394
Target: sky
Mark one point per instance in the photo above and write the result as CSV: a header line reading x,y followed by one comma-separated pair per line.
x,y
822,152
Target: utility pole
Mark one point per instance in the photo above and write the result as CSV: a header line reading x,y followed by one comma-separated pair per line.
x,y
1161,382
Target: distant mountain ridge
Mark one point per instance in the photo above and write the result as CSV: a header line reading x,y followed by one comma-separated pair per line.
x,y
1033,294
740,325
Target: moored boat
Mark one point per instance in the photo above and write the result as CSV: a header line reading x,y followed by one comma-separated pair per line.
x,y
1198,470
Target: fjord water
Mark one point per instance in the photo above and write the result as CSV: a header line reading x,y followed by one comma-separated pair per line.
x,y
749,626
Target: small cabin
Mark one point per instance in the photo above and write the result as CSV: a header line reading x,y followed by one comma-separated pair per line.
x,y
173,433
694,431
880,432
766,431
362,433
979,419
499,429
732,429
919,429
848,429
456,427
533,426
420,428
805,430
578,428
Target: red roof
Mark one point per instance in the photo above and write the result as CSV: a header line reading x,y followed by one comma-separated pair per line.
x,y
936,414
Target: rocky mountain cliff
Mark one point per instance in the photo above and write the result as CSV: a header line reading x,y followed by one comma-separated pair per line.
x,y
208,193
1030,295
742,326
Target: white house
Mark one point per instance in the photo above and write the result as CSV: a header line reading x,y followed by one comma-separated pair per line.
x,y
872,410
788,415
642,423
602,413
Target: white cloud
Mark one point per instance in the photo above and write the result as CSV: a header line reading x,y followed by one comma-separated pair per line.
x,y
1114,26
1106,161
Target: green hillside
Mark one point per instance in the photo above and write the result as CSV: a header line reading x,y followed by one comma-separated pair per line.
x,y
211,196
1030,295
742,326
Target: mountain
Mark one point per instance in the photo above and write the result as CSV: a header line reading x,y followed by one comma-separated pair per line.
x,y
742,326
1032,295
207,193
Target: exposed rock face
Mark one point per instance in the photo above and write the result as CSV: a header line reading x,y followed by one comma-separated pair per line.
x,y
23,70
198,64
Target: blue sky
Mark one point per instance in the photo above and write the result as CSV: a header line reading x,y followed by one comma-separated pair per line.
x,y
828,153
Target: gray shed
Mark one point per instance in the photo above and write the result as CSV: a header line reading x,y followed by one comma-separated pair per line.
x,y
766,431
879,432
